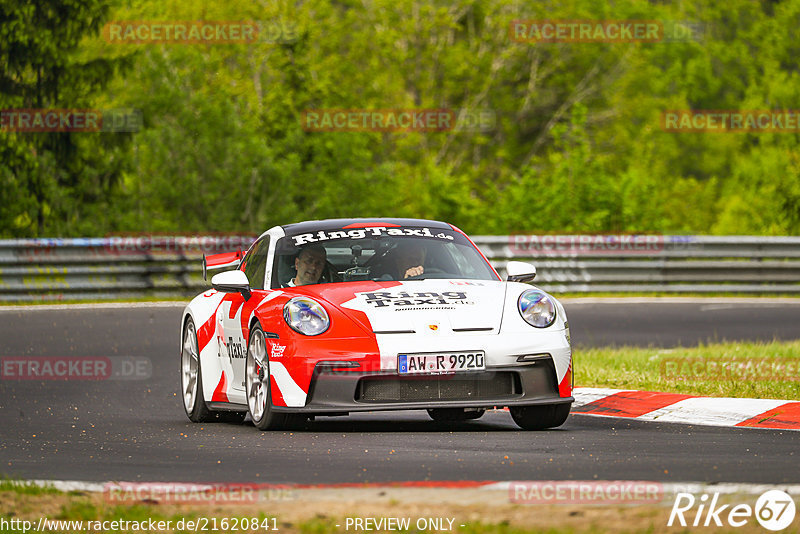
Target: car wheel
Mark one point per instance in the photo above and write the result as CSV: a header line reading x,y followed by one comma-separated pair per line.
x,y
444,415
540,417
192,383
259,400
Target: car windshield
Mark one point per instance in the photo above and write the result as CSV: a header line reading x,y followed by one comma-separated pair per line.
x,y
377,253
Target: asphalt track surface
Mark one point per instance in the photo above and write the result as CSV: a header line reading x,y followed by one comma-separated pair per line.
x,y
137,430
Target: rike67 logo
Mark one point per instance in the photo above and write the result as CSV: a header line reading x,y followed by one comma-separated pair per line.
x,y
774,510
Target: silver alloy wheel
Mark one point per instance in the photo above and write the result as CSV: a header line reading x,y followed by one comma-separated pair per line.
x,y
257,375
189,367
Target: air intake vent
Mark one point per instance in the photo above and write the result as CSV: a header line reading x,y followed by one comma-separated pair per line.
x,y
483,386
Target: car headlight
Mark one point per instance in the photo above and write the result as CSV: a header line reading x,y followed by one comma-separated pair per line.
x,y
537,308
306,316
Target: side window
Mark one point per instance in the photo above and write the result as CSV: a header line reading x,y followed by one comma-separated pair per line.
x,y
254,263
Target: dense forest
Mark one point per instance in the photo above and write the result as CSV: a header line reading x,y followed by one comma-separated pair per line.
x,y
575,144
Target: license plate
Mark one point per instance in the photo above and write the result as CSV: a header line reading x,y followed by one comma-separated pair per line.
x,y
442,362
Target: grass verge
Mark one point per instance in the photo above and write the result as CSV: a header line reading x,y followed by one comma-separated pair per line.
x,y
748,370
314,511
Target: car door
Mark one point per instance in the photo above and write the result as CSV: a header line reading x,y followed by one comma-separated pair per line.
x,y
229,317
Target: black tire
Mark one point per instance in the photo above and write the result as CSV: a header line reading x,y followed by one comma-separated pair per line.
x,y
451,415
540,417
194,403
257,386
191,377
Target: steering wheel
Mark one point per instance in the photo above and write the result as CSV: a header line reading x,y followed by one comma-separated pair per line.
x,y
428,270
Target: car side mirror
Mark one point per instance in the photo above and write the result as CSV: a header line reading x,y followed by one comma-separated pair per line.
x,y
232,282
520,271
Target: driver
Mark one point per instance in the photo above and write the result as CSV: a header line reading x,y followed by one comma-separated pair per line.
x,y
409,258
310,262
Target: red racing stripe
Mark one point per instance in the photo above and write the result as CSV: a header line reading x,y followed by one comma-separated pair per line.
x,y
236,303
219,393
247,309
630,403
565,387
206,332
784,416
371,225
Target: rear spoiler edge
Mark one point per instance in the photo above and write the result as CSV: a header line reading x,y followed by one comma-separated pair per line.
x,y
220,261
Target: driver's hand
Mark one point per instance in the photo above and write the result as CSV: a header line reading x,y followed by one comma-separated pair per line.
x,y
414,271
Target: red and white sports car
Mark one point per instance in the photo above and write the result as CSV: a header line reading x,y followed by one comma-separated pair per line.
x,y
345,315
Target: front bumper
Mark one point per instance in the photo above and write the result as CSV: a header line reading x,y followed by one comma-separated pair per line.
x,y
341,391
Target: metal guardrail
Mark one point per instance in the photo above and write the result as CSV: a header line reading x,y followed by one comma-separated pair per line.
x,y
59,269
664,264
102,268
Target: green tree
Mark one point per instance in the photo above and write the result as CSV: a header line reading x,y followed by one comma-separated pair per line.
x,y
54,182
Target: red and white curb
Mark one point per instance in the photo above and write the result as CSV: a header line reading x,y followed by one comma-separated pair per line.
x,y
688,409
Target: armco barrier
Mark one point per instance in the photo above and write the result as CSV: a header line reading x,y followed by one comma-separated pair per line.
x,y
102,268
655,263
168,266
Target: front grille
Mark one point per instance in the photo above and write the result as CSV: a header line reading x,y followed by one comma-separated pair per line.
x,y
483,386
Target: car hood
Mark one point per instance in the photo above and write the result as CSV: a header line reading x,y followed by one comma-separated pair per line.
x,y
420,305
